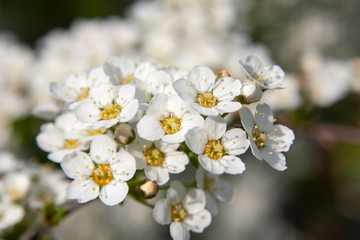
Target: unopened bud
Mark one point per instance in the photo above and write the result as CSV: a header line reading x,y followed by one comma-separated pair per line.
x,y
250,92
222,74
148,189
124,134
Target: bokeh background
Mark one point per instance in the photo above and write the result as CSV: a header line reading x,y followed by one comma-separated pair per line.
x,y
317,43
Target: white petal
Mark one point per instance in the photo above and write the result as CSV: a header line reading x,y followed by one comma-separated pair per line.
x,y
227,88
83,190
178,231
158,174
177,106
194,201
50,138
87,112
129,111
176,192
263,116
125,94
149,128
102,94
174,138
123,166
58,156
252,64
205,110
161,213
159,105
223,190
247,120
235,141
210,165
185,90
196,139
113,193
255,150
198,221
102,149
214,127
159,81
203,78
77,165
166,147
176,161
284,137
228,107
275,159
232,164
211,204
104,124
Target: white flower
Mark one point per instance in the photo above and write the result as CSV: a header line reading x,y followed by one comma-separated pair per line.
x,y
214,187
14,186
268,77
183,211
158,158
267,140
168,118
72,128
75,88
102,173
10,214
156,82
108,105
206,96
51,139
49,187
217,149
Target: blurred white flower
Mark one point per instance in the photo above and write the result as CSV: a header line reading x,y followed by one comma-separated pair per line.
x,y
214,188
267,76
10,214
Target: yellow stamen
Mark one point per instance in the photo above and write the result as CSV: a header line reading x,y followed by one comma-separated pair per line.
x,y
214,149
178,212
102,175
154,157
71,144
171,124
110,111
127,79
258,137
84,93
206,99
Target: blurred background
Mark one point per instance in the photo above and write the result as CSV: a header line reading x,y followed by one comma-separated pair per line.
x,y
316,42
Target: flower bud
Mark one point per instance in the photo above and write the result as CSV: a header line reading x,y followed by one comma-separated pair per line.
x,y
124,134
222,74
250,92
148,189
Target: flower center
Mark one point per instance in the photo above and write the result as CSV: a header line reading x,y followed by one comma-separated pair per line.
x,y
95,132
171,124
208,182
14,193
258,137
214,149
84,93
206,99
178,212
154,157
71,144
102,175
110,111
127,79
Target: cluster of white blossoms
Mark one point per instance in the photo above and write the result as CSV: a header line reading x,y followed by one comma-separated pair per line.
x,y
133,120
26,188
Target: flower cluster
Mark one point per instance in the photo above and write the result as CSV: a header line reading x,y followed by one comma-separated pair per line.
x,y
129,120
